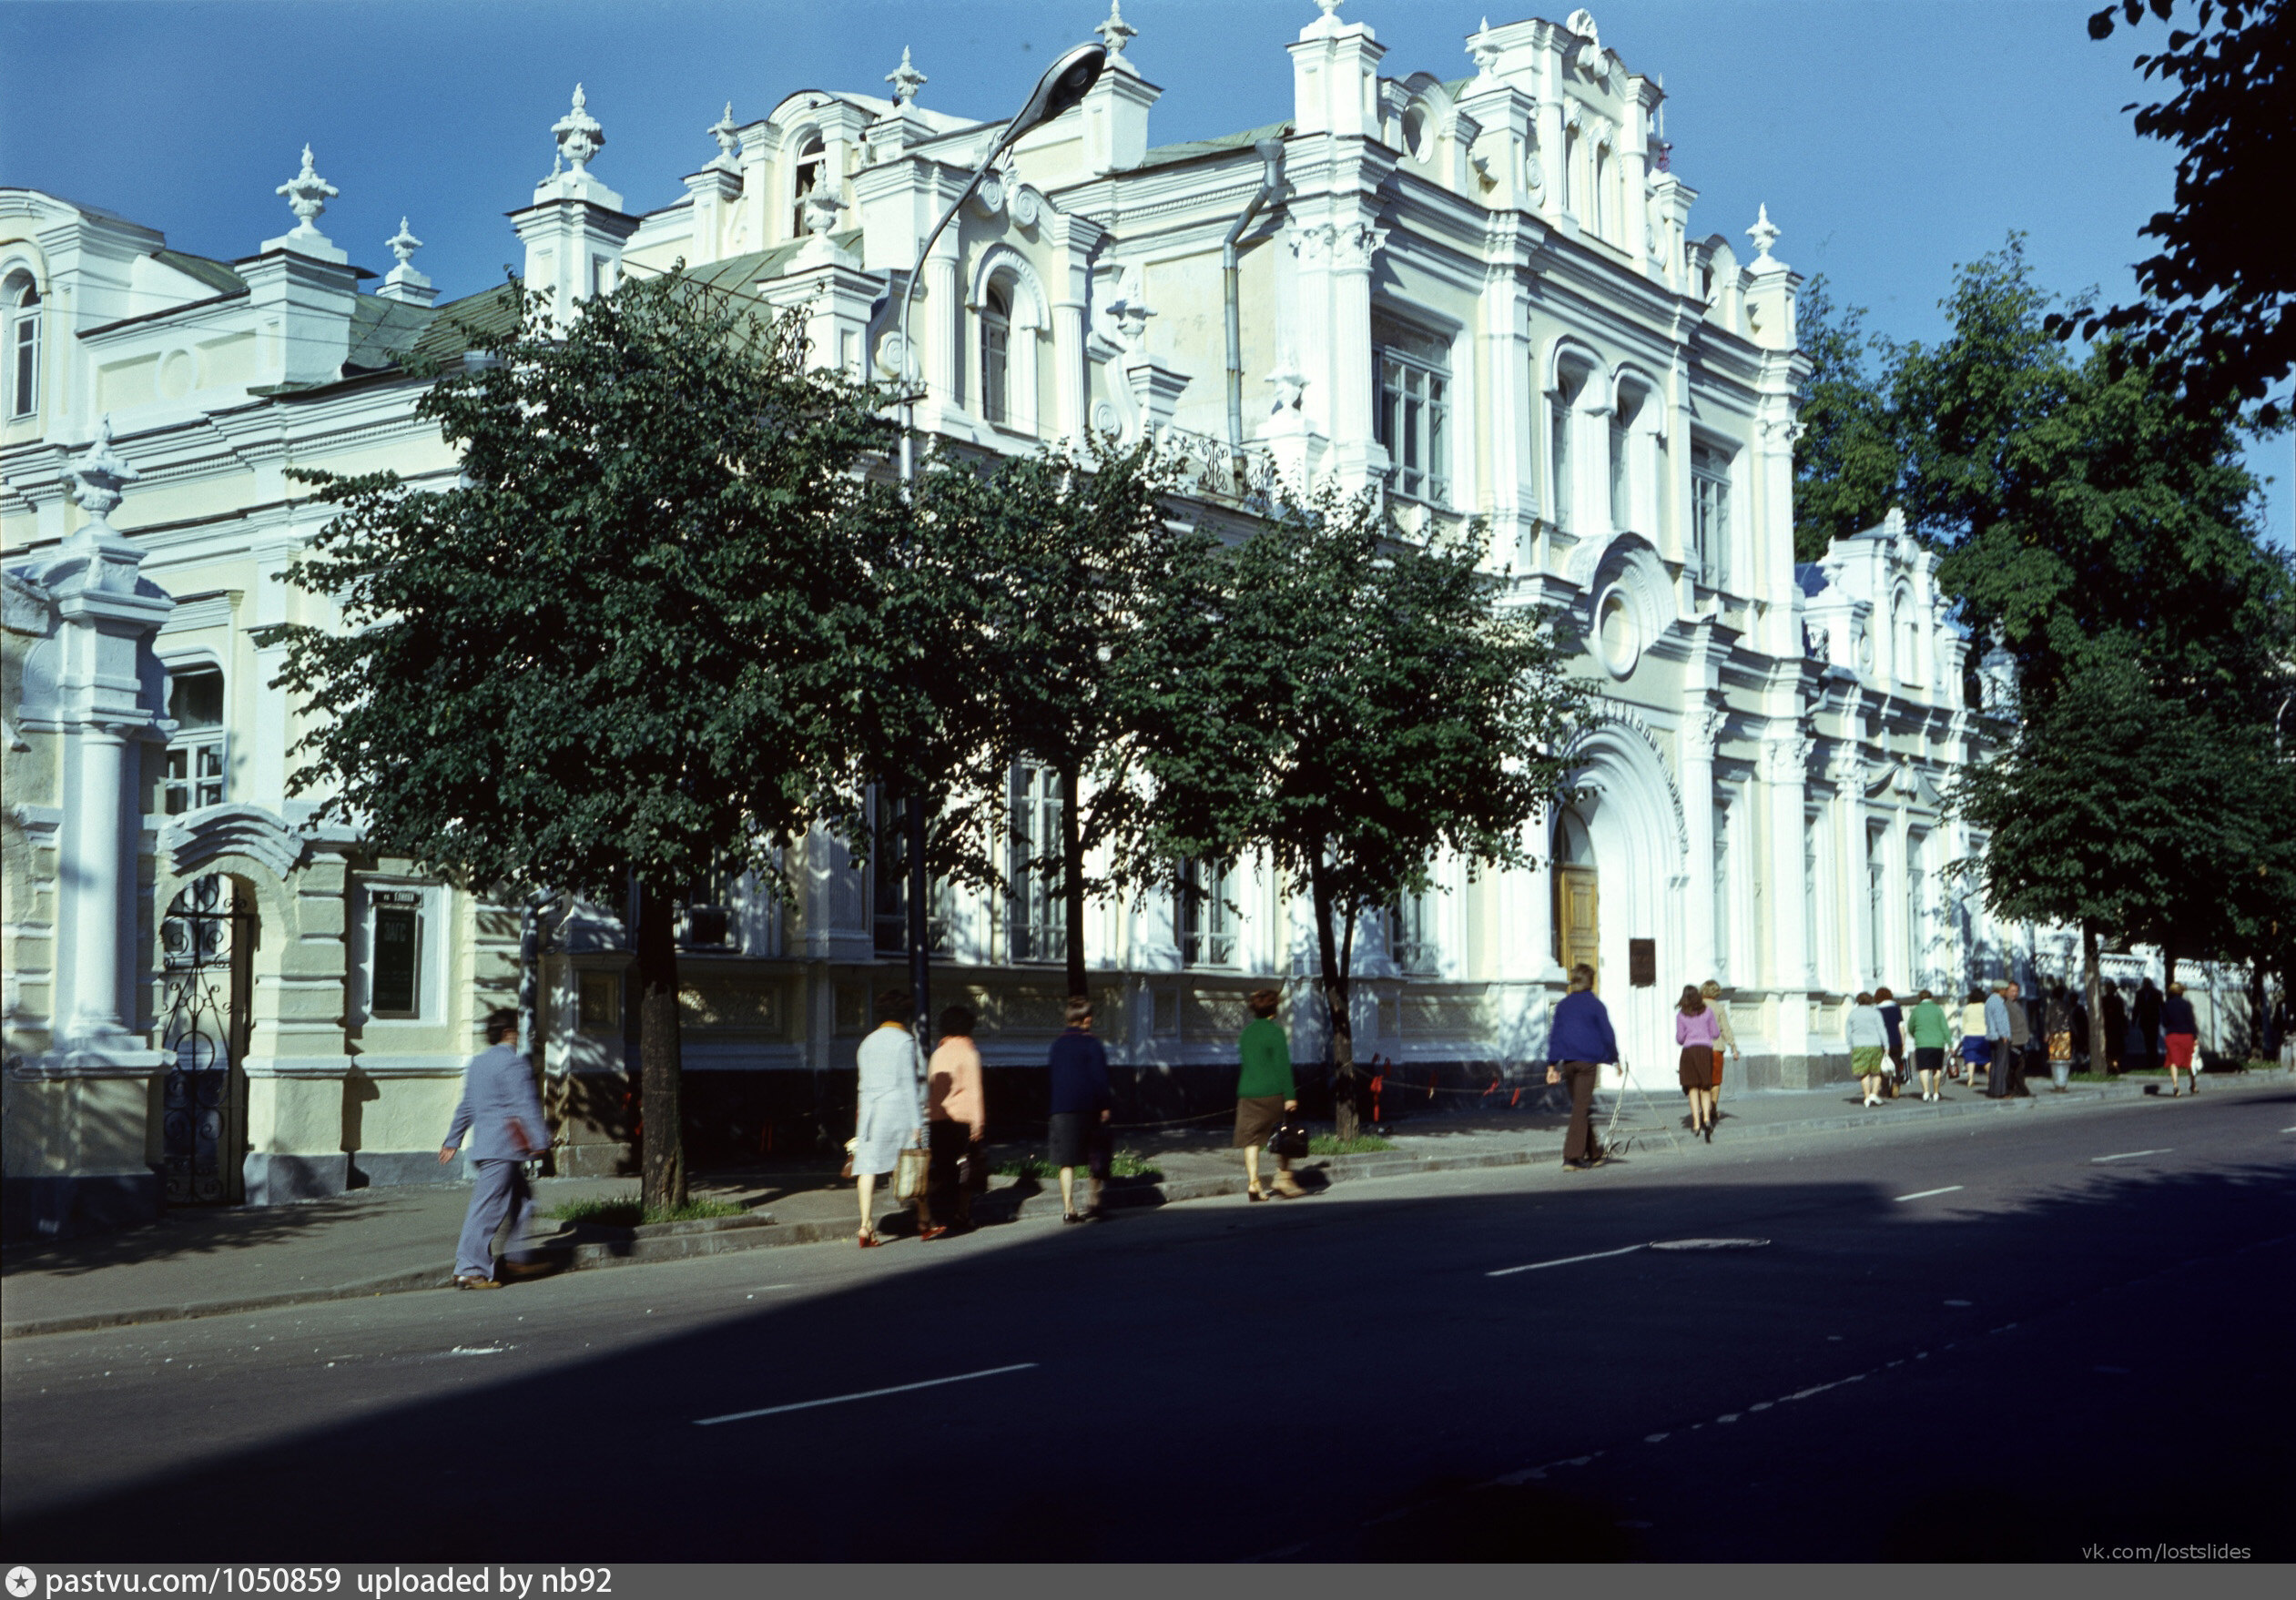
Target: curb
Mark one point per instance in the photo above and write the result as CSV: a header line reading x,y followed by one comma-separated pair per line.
x,y
674,1241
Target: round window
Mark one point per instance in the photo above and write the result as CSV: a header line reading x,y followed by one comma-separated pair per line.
x,y
1617,639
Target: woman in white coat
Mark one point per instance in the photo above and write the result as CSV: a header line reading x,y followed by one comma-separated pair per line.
x,y
891,1102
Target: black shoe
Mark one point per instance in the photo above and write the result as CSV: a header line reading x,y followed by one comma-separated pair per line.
x,y
1710,1133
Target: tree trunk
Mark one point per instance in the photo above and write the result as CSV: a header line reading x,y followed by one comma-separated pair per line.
x,y
2259,1020
1072,879
2093,998
662,1158
1345,1122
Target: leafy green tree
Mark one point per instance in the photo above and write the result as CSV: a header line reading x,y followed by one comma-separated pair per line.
x,y
2220,289
1847,462
1071,549
2129,813
1354,706
2129,525
615,651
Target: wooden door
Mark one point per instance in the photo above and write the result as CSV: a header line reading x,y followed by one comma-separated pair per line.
x,y
1577,918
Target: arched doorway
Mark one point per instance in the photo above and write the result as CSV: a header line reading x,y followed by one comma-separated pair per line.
x,y
1578,907
207,942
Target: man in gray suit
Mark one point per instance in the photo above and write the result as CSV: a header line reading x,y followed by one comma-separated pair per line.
x,y
504,1119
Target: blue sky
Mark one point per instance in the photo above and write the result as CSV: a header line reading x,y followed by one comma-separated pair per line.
x,y
1890,138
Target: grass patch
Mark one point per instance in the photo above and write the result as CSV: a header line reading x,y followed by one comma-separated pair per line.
x,y
2157,1075
1363,1144
624,1210
1123,1164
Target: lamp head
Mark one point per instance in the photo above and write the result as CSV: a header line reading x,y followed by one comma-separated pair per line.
x,y
1062,88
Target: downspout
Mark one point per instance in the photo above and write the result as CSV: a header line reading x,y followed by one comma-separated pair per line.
x,y
1271,153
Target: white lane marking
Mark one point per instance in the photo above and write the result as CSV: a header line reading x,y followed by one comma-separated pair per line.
x,y
1961,1302
1564,1261
471,1350
2131,1155
1709,1244
771,1410
1925,1193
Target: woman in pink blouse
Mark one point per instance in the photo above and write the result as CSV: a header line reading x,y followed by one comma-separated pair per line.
x,y
1698,1029
956,1118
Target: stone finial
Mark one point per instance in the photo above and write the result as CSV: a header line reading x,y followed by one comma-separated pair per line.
x,y
580,136
404,282
821,212
906,80
1116,33
404,244
1764,233
98,476
1484,53
307,195
727,136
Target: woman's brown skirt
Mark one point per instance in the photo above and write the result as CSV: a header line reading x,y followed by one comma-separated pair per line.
x,y
1698,1066
1256,1118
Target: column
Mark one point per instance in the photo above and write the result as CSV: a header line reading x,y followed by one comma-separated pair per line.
x,y
93,842
944,318
1355,245
1506,380
1700,727
1784,776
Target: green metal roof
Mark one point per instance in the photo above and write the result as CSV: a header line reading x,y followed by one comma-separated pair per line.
x,y
214,274
1226,144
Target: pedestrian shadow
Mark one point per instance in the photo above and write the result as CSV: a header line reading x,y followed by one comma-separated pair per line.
x,y
197,1232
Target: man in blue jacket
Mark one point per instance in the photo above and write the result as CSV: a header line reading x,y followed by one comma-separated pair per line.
x,y
504,1119
1580,1044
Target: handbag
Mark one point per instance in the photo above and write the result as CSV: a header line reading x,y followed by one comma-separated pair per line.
x,y
1289,1141
910,1170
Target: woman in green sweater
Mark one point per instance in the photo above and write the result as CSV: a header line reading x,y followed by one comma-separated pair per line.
x,y
1264,1092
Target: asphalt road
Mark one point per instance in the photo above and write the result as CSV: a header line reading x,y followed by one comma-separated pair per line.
x,y
2081,1340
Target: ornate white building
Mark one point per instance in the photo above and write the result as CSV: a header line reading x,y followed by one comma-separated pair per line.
x,y
1481,296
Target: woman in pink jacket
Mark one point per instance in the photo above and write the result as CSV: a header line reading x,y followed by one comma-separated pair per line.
x,y
1698,1029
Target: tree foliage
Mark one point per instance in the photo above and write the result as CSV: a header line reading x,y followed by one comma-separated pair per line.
x,y
1355,705
1846,462
2220,290
616,649
1073,553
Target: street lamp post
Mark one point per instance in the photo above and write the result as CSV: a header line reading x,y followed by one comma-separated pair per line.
x,y
1061,89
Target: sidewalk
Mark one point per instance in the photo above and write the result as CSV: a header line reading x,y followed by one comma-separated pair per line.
x,y
195,1263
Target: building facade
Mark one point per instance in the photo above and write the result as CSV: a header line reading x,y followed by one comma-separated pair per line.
x,y
1480,298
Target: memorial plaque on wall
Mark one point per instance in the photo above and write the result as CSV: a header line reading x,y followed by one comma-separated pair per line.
x,y
1642,962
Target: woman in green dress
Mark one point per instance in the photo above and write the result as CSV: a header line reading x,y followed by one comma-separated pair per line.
x,y
1264,1092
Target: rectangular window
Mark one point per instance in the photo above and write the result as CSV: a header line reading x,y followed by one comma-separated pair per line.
x,y
1813,936
1710,516
195,773
1413,417
24,390
1039,910
1411,933
1203,914
889,872
1559,460
601,1002
1877,902
996,335
1722,898
706,919
396,987
1621,513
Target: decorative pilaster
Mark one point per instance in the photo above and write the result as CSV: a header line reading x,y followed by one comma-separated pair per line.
x,y
109,614
1359,459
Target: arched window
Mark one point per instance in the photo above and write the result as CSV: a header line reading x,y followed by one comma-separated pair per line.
x,y
1569,167
23,304
808,179
1561,424
1605,223
996,344
1906,637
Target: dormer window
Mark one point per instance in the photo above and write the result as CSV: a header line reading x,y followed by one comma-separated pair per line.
x,y
22,300
808,179
196,750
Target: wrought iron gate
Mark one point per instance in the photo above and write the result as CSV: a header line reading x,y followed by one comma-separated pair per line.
x,y
205,943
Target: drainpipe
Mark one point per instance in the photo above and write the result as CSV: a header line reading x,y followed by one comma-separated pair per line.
x,y
1271,153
